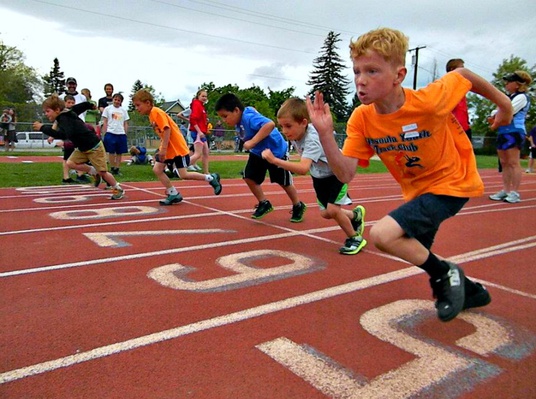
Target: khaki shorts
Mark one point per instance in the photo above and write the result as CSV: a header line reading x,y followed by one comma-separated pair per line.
x,y
97,157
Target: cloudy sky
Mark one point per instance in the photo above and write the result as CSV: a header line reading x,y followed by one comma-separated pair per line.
x,y
177,45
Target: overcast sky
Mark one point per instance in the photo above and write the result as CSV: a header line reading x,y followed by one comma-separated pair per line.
x,y
177,45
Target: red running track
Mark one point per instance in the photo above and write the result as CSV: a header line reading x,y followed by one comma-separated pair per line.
x,y
127,299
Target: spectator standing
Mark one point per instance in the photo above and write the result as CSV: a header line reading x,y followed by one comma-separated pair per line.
x,y
108,98
460,112
92,115
78,97
218,133
199,129
510,138
531,137
115,126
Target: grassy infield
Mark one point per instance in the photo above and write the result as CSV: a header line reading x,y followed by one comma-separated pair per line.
x,y
45,174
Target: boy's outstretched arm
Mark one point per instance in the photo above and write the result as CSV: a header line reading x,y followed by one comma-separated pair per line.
x,y
481,86
320,115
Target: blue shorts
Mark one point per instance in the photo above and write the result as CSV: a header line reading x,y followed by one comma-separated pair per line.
x,y
257,167
507,141
420,218
115,143
193,135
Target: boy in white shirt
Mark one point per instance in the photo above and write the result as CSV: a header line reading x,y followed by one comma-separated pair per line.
x,y
115,126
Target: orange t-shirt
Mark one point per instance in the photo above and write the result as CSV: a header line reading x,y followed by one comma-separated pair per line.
x,y
177,144
422,144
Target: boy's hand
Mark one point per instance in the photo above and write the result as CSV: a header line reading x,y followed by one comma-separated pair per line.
x,y
268,155
320,114
247,145
37,126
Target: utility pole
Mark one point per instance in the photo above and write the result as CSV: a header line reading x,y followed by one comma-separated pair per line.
x,y
415,63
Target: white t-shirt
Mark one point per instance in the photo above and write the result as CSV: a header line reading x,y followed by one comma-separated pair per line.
x,y
116,118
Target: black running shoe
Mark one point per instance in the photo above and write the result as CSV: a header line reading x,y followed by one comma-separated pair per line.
x,y
478,299
215,183
449,291
297,212
262,209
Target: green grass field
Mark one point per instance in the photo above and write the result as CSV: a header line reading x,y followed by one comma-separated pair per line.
x,y
46,174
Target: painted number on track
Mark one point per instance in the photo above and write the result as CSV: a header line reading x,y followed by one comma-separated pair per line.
x,y
438,370
243,265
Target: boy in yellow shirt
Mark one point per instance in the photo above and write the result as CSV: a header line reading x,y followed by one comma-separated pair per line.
x,y
425,149
173,150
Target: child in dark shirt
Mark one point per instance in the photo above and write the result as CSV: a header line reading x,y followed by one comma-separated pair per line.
x,y
88,147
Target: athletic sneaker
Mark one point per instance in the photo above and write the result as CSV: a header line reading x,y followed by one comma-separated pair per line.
x,y
449,291
215,183
478,299
97,180
353,245
262,209
68,181
513,197
500,196
297,212
358,221
172,199
117,193
83,179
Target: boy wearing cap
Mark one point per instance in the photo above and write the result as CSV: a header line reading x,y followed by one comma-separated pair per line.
x,y
510,137
425,149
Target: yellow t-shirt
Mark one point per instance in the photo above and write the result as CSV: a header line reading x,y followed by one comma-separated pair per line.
x,y
177,144
422,144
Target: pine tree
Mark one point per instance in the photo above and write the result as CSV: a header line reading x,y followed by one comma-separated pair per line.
x,y
55,80
138,85
328,77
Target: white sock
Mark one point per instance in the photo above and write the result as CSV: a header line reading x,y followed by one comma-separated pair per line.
x,y
209,178
92,171
171,191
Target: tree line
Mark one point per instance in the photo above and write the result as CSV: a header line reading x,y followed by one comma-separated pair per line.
x,y
22,88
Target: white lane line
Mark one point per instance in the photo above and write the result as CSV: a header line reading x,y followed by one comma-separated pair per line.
x,y
214,322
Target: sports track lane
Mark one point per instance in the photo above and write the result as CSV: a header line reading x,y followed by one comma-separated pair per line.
x,y
128,299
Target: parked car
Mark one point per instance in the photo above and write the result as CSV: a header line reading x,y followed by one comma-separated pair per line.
x,y
35,140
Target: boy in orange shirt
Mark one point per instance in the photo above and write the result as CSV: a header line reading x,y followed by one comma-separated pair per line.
x,y
416,136
173,150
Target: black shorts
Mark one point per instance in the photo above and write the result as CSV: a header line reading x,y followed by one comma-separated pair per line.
x,y
330,190
257,167
420,218
179,162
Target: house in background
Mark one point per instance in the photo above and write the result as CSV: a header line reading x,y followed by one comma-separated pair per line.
x,y
172,108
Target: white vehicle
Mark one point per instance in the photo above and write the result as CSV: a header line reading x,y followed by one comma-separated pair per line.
x,y
35,140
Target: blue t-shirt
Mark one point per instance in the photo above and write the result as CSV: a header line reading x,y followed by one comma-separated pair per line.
x,y
252,121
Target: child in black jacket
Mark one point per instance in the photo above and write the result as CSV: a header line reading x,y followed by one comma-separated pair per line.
x,y
68,126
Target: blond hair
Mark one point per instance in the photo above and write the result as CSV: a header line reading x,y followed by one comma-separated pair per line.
x,y
527,80
294,108
143,96
391,44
